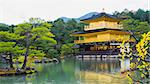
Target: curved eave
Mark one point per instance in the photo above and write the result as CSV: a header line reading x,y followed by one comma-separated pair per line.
x,y
87,33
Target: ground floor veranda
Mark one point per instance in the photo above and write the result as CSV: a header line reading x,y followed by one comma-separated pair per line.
x,y
101,49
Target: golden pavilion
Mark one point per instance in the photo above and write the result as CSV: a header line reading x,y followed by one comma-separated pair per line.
x,y
102,34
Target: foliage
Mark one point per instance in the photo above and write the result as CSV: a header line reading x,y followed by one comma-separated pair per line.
x,y
9,47
53,53
140,64
4,27
37,53
36,32
31,38
125,50
62,31
136,25
67,49
6,36
140,14
136,22
6,46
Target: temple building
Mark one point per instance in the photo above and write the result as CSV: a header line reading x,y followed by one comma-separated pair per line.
x,y
101,36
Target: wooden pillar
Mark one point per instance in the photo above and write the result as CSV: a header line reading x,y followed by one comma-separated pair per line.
x,y
101,57
82,56
96,52
83,49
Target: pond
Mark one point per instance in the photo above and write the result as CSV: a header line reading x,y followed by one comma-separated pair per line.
x,y
74,71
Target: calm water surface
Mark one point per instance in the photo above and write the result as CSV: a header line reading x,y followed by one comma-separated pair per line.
x,y
71,71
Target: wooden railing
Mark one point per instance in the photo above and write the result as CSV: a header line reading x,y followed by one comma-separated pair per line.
x,y
99,27
86,40
102,40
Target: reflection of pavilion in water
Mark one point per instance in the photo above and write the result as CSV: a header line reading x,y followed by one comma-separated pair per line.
x,y
104,71
105,65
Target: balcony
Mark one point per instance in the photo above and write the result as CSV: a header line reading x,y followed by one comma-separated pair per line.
x,y
86,40
90,40
90,27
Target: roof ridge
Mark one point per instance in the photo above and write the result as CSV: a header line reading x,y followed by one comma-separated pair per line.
x,y
100,15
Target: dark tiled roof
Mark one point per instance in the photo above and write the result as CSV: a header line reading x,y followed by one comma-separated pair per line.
x,y
101,15
97,30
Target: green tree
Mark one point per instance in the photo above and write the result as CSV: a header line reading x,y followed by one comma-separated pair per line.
x,y
147,16
140,64
140,14
67,49
9,47
136,26
63,30
35,31
4,27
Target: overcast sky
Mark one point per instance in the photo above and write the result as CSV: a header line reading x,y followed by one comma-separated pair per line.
x,y
17,11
